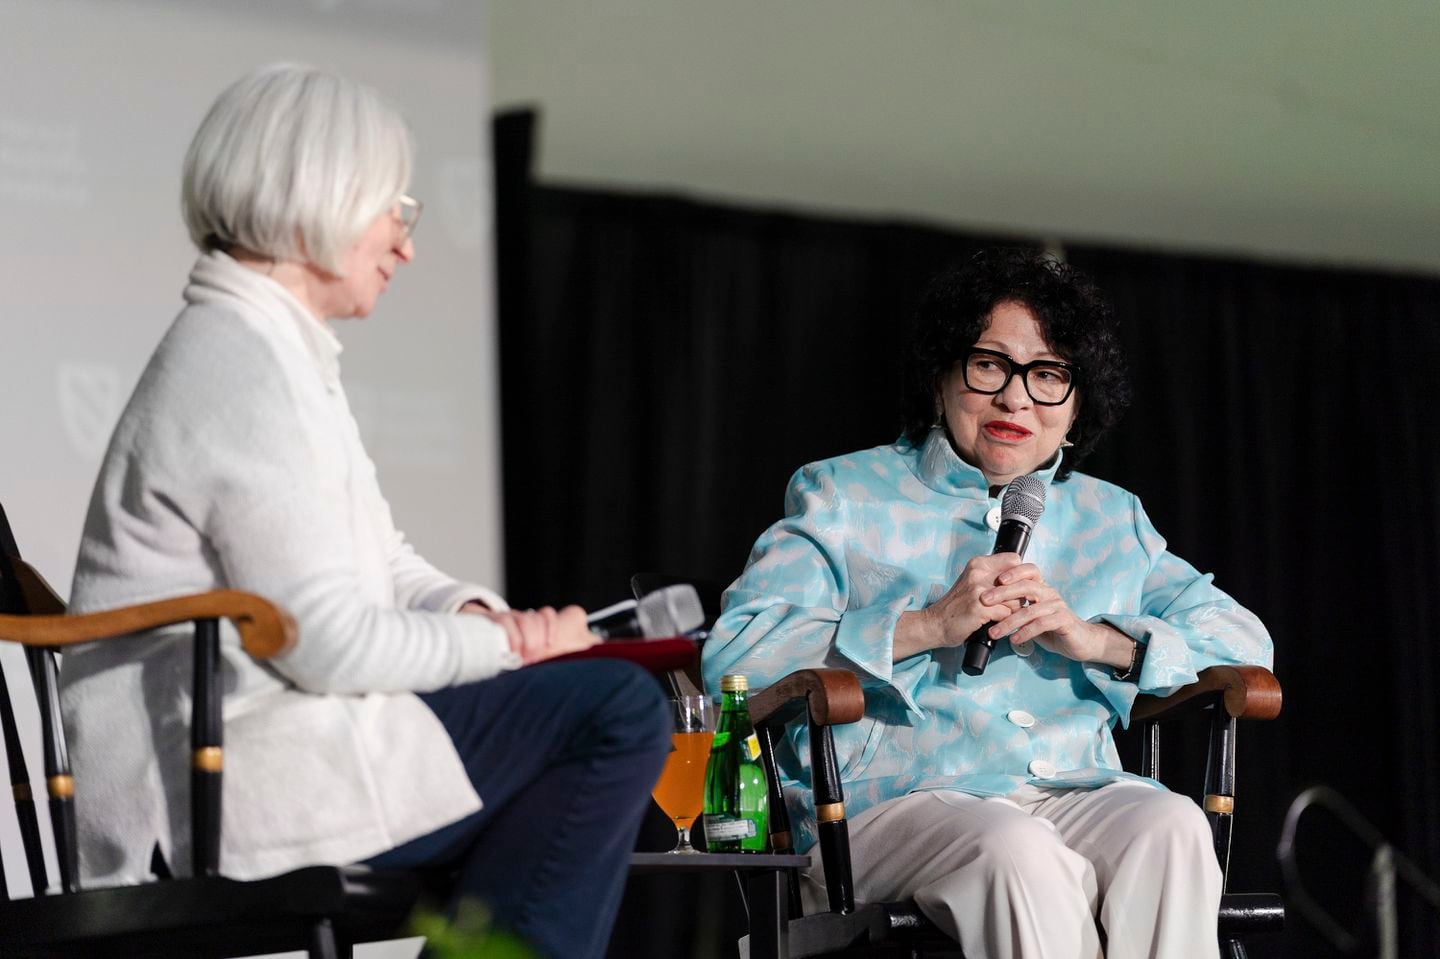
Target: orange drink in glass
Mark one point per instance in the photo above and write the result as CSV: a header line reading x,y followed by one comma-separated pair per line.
x,y
681,789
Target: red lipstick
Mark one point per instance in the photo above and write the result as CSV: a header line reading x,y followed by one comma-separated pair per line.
x,y
1004,430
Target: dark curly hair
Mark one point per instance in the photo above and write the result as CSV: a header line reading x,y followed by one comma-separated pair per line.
x,y
1075,319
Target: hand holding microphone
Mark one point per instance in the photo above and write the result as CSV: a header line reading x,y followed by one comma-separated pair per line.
x,y
973,603
540,634
1019,512
1031,608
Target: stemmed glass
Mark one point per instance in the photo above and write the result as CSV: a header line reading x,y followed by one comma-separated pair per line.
x,y
681,789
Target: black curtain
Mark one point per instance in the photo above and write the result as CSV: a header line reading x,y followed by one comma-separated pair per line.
x,y
1281,438
667,364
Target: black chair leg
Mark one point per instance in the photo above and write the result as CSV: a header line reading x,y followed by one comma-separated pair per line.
x,y
1232,949
768,896
322,940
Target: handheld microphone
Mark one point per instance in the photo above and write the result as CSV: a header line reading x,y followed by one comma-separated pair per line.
x,y
665,612
1019,512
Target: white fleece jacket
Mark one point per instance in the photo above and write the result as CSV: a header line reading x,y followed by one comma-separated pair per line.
x,y
237,464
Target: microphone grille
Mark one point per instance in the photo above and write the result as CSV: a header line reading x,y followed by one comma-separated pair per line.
x,y
1024,499
670,611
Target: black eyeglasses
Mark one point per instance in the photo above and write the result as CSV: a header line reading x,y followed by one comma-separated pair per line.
x,y
1049,382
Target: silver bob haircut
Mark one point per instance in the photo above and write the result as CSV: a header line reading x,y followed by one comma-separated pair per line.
x,y
293,163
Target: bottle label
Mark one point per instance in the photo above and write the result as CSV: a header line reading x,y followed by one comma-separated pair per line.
x,y
752,746
725,829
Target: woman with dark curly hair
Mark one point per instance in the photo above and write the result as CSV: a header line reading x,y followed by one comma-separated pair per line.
x,y
997,800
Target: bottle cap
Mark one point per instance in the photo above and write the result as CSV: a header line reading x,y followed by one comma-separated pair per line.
x,y
734,683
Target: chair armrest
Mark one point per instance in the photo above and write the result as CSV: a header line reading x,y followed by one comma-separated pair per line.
x,y
832,697
265,629
1236,692
1246,692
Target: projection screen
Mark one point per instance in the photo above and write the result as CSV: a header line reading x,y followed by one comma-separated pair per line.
x,y
100,98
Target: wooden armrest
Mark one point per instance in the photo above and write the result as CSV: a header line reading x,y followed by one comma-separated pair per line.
x,y
1246,692
832,695
266,630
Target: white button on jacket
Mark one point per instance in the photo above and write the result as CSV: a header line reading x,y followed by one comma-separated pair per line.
x,y
1042,769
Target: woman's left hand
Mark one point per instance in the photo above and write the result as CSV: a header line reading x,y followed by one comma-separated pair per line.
x,y
1049,621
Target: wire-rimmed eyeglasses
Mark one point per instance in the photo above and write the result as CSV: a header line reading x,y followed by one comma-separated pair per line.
x,y
407,211
1049,382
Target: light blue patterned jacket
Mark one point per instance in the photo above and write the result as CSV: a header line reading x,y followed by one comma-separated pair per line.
x,y
870,535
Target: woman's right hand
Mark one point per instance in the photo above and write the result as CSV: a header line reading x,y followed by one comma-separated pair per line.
x,y
540,634
952,619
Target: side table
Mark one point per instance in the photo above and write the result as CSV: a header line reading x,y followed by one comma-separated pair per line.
x,y
766,890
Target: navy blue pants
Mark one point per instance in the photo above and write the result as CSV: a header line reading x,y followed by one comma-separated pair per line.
x,y
563,756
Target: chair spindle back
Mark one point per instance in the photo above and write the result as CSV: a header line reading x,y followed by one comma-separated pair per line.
x,y
23,593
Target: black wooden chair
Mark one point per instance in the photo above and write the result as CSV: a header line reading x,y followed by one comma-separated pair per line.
x,y
827,697
321,909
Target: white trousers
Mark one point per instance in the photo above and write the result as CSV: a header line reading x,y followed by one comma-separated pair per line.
x,y
1029,875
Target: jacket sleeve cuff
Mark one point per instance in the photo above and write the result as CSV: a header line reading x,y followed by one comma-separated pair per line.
x,y
1120,693
1167,664
484,651
450,599
866,637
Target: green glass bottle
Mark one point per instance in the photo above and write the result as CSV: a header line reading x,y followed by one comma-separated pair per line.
x,y
737,803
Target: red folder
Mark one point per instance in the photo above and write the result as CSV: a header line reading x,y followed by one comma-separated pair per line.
x,y
656,655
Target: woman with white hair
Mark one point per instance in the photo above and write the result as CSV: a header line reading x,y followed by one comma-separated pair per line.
x,y
396,731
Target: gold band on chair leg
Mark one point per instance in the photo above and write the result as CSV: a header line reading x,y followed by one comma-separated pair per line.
x,y
60,787
830,812
1220,804
209,759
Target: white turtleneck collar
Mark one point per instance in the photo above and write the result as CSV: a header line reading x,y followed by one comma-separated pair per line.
x,y
216,277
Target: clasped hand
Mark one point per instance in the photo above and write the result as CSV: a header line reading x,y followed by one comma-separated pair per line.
x,y
540,634
1012,595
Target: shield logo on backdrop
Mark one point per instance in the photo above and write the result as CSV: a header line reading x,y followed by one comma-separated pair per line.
x,y
463,208
91,398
